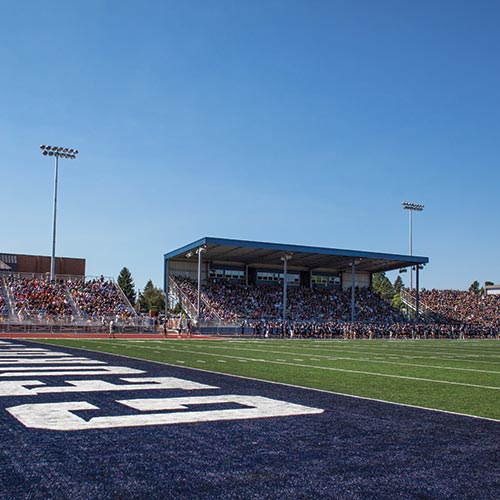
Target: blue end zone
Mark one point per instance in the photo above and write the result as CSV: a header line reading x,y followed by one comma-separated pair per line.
x,y
354,449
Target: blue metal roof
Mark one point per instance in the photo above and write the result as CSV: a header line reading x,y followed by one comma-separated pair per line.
x,y
257,252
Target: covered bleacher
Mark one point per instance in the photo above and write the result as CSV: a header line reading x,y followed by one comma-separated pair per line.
x,y
256,264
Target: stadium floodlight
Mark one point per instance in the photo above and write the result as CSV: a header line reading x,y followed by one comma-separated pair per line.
x,y
411,207
58,152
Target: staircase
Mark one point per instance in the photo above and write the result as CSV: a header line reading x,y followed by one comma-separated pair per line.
x,y
11,310
187,306
411,303
125,299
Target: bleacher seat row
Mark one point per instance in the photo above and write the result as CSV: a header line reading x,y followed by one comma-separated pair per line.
x,y
73,300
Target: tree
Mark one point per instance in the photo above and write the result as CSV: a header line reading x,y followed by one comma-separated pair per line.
x,y
488,283
383,286
152,299
474,288
398,285
126,283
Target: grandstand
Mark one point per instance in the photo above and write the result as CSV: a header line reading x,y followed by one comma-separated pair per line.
x,y
31,302
247,280
265,289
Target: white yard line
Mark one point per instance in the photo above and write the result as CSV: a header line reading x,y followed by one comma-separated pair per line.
x,y
360,372
339,357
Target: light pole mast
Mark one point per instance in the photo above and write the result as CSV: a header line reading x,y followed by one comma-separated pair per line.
x,y
412,207
285,260
199,251
57,152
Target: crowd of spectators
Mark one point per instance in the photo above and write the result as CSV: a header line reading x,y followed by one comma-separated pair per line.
x,y
3,305
366,330
39,299
99,298
234,302
463,307
326,313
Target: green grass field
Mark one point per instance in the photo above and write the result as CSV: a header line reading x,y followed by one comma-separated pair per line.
x,y
456,376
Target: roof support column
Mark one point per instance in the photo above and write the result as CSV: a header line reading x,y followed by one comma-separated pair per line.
x,y
285,260
165,287
199,252
417,286
353,285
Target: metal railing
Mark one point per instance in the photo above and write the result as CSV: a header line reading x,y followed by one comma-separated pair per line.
x,y
182,298
125,299
411,301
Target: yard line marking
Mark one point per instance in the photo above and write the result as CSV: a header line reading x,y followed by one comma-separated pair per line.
x,y
361,372
340,358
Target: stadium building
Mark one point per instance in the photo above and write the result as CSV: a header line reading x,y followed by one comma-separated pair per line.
x,y
40,264
263,264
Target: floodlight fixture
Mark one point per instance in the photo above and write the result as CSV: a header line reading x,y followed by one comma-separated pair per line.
x,y
58,152
412,207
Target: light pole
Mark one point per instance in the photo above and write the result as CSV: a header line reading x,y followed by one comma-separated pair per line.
x,y
285,260
57,152
412,207
199,251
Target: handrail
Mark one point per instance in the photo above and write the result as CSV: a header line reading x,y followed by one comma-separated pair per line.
x,y
125,298
411,302
8,300
211,310
183,298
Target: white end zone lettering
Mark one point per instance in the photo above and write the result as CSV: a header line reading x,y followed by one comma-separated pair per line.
x,y
21,387
59,416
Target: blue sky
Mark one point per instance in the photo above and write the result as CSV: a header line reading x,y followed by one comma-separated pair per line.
x,y
303,122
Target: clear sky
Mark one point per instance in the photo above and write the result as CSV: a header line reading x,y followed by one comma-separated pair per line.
x,y
296,121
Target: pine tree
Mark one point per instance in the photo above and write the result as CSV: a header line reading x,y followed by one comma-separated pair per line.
x,y
398,284
474,288
383,286
126,283
151,299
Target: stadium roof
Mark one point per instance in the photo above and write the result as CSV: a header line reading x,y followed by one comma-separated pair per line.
x,y
256,252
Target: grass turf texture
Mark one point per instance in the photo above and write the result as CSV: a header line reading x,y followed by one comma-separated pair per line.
x,y
455,376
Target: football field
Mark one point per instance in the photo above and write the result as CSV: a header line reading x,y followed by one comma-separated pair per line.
x,y
189,419
448,375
